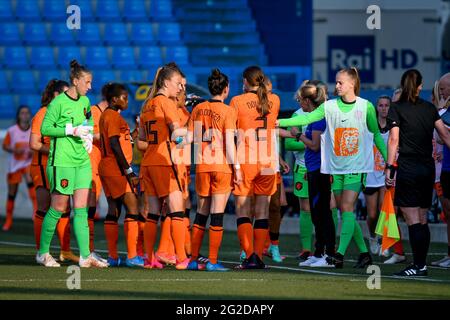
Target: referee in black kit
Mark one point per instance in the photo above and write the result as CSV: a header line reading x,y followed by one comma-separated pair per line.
x,y
411,121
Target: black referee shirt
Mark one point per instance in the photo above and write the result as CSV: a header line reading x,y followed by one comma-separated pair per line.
x,y
416,123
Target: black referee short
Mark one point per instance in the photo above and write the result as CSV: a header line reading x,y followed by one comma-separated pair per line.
x,y
445,184
414,182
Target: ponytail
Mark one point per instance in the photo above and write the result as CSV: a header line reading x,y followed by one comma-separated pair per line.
x,y
256,78
153,89
411,81
261,92
47,95
313,90
53,86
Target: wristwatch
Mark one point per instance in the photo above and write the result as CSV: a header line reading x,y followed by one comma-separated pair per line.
x,y
129,170
391,167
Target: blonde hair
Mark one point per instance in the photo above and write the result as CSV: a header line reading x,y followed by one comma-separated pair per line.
x,y
313,90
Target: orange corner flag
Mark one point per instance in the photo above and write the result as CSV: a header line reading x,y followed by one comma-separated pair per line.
x,y
387,226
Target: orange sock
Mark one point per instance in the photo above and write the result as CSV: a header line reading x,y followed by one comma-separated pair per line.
x,y
131,229
140,241
165,238
9,212
150,230
112,236
63,231
32,194
215,236
267,242
91,215
187,240
171,244
245,235
38,218
261,230
178,229
198,231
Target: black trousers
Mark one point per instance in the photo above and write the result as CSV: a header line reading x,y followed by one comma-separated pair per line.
x,y
319,188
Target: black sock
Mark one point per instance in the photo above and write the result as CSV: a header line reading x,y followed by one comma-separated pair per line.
x,y
426,243
414,240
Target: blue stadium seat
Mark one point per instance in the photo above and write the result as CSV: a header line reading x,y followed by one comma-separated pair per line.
x,y
123,57
107,11
169,32
132,76
6,12
46,75
134,11
15,57
35,33
67,54
54,10
9,34
100,78
60,35
42,57
7,106
31,100
142,33
179,54
149,56
161,10
27,10
89,34
115,34
85,9
94,97
97,58
23,81
4,84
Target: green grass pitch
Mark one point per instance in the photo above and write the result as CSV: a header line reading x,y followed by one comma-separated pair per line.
x,y
22,278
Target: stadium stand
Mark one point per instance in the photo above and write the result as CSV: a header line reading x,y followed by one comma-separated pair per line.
x,y
131,37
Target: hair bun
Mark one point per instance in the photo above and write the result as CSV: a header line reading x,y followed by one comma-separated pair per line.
x,y
215,73
74,64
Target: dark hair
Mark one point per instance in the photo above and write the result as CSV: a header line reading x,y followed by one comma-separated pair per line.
x,y
53,86
20,109
384,97
113,90
411,80
163,73
217,82
353,73
104,90
175,66
256,78
76,70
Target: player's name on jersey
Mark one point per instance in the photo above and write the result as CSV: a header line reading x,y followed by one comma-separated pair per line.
x,y
215,147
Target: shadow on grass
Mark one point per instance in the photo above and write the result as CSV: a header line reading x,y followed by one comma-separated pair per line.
x,y
52,293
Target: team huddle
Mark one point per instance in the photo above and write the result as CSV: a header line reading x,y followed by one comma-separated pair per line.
x,y
78,149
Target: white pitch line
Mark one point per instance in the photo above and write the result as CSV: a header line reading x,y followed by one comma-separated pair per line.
x,y
21,244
